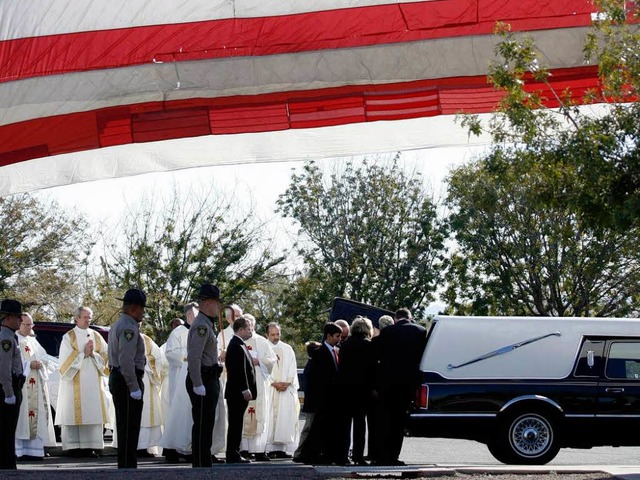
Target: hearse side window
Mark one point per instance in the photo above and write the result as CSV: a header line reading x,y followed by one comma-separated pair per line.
x,y
590,360
624,360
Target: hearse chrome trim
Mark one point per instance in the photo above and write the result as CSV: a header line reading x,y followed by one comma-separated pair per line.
x,y
503,350
530,397
430,415
613,415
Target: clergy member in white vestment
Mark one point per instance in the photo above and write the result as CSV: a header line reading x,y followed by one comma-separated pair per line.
x,y
257,417
176,437
35,422
285,405
83,398
151,423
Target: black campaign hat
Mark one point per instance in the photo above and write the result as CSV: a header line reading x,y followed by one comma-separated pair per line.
x,y
208,290
134,296
11,307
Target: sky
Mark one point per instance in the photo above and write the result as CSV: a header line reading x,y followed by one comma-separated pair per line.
x,y
104,202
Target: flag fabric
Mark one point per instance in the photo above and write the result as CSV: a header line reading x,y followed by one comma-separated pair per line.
x,y
261,79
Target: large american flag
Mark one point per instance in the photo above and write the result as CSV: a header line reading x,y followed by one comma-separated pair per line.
x,y
81,75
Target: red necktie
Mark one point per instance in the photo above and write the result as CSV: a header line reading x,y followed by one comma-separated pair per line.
x,y
335,356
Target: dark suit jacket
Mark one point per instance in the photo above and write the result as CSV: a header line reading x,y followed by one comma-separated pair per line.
x,y
399,349
241,374
322,380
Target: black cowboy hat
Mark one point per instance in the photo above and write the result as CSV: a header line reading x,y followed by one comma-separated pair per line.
x,y
134,296
11,307
208,290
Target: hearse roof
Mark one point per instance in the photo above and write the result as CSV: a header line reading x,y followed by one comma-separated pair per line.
x,y
514,347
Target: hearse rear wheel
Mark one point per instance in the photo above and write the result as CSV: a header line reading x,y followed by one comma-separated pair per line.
x,y
528,438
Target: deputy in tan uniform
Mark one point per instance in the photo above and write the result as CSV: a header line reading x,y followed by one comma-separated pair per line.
x,y
203,384
11,381
127,361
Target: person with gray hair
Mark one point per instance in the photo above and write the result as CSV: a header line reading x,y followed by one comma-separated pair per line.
x,y
35,423
258,415
285,406
83,362
356,375
344,326
385,321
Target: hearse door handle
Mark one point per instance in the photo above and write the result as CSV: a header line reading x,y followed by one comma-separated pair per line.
x,y
614,390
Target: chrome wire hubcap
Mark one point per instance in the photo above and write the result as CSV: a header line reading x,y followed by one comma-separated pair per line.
x,y
531,435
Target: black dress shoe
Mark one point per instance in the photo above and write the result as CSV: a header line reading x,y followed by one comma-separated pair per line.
x,y
238,460
144,454
215,459
361,463
93,454
30,458
279,454
262,457
170,455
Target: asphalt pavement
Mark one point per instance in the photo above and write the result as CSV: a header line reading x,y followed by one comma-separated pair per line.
x,y
59,466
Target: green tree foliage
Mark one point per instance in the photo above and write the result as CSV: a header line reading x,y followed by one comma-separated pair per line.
x,y
519,254
170,247
43,256
369,232
601,149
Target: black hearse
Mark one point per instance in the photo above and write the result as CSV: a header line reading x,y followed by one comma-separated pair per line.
x,y
529,386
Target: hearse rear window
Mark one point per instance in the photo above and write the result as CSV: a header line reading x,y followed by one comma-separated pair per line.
x,y
624,360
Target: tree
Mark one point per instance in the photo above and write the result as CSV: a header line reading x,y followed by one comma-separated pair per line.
x,y
369,232
170,247
602,150
521,255
43,256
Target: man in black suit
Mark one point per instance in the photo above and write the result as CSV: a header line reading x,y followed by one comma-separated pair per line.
x,y
399,350
323,394
240,388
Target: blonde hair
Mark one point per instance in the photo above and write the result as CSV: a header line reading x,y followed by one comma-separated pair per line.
x,y
362,326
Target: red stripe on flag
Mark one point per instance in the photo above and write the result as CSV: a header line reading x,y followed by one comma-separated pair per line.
x,y
193,117
236,37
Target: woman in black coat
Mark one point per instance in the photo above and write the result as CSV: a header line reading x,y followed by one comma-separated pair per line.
x,y
356,372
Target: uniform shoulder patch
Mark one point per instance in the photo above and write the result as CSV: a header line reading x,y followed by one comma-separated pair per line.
x,y
6,345
128,335
202,330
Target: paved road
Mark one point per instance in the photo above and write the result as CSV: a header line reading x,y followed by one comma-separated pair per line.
x,y
442,451
417,453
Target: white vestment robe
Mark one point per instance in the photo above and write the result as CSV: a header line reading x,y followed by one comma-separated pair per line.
x,y
257,417
285,406
152,415
177,414
83,398
178,420
35,421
